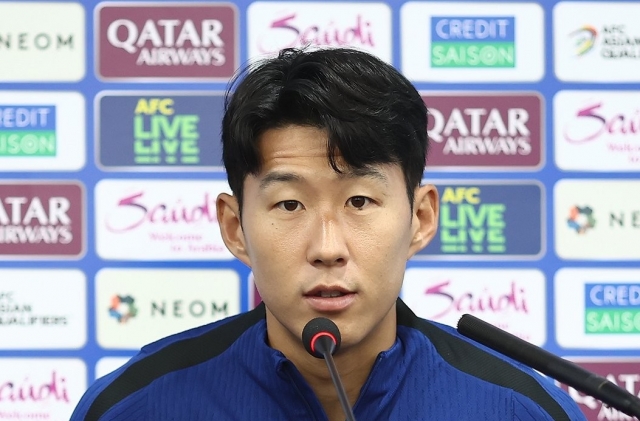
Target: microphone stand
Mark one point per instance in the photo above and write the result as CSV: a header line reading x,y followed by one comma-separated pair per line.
x,y
558,368
325,346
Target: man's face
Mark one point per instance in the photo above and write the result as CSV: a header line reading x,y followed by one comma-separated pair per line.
x,y
325,244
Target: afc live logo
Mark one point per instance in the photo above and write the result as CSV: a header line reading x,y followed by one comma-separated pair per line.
x,y
167,41
481,219
159,131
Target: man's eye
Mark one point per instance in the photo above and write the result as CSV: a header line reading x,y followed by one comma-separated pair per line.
x,y
358,201
290,205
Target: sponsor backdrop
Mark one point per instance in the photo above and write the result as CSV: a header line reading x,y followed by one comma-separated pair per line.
x,y
110,163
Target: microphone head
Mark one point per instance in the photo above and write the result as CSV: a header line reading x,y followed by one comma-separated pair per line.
x,y
318,328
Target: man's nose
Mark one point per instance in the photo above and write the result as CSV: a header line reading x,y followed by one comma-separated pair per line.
x,y
328,245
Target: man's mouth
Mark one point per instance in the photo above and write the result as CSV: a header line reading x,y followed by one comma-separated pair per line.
x,y
329,294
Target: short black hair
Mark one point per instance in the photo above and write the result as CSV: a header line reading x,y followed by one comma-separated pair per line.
x,y
372,114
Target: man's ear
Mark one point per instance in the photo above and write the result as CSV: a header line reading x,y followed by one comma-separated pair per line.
x,y
228,212
424,222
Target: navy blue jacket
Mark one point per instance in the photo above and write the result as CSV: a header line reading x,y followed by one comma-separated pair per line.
x,y
226,371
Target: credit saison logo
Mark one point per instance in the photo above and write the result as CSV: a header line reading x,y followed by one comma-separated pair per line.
x,y
168,40
613,39
461,41
581,219
484,219
16,312
612,308
41,219
159,131
27,130
485,130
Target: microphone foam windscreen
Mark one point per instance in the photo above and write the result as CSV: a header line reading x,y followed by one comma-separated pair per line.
x,y
317,326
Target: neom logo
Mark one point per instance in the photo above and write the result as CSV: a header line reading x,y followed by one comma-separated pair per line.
x,y
41,41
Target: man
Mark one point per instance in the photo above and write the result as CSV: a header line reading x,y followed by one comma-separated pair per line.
x,y
324,152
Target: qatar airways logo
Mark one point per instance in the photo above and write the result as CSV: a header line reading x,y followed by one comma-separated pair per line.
x,y
159,220
623,372
277,25
603,128
41,219
513,300
485,130
167,40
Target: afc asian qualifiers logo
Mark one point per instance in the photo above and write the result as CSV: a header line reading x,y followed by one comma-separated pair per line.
x,y
166,41
41,220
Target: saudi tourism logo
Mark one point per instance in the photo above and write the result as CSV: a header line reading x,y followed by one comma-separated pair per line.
x,y
123,308
584,39
581,219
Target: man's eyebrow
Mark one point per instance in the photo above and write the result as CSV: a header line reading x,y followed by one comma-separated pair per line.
x,y
287,177
278,177
366,172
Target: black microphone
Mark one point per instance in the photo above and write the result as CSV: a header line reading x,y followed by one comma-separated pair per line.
x,y
321,338
558,368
